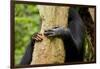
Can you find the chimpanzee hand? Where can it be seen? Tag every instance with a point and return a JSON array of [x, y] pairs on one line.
[[56, 31], [37, 37]]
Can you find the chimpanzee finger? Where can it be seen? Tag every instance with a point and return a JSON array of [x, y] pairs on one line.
[[40, 36], [55, 27], [50, 30], [51, 35], [48, 33], [34, 35], [38, 39]]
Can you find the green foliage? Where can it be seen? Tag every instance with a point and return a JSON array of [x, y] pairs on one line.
[[89, 55], [27, 21]]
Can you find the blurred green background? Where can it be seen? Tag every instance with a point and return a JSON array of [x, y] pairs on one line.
[[27, 22]]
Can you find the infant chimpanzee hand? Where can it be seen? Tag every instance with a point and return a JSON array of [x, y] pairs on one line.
[[37, 37]]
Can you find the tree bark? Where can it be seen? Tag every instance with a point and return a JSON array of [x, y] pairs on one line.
[[50, 50], [92, 13]]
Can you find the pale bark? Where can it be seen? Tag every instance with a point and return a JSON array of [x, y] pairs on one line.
[[50, 50], [92, 13]]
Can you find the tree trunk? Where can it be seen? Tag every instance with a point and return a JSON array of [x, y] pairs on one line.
[[92, 13], [50, 50]]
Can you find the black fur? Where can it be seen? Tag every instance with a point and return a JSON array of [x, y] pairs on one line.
[[27, 58], [74, 40]]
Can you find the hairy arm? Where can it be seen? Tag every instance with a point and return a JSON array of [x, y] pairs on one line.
[[27, 58], [72, 36]]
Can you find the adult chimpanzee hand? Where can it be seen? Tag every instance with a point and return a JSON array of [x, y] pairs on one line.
[[55, 32]]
